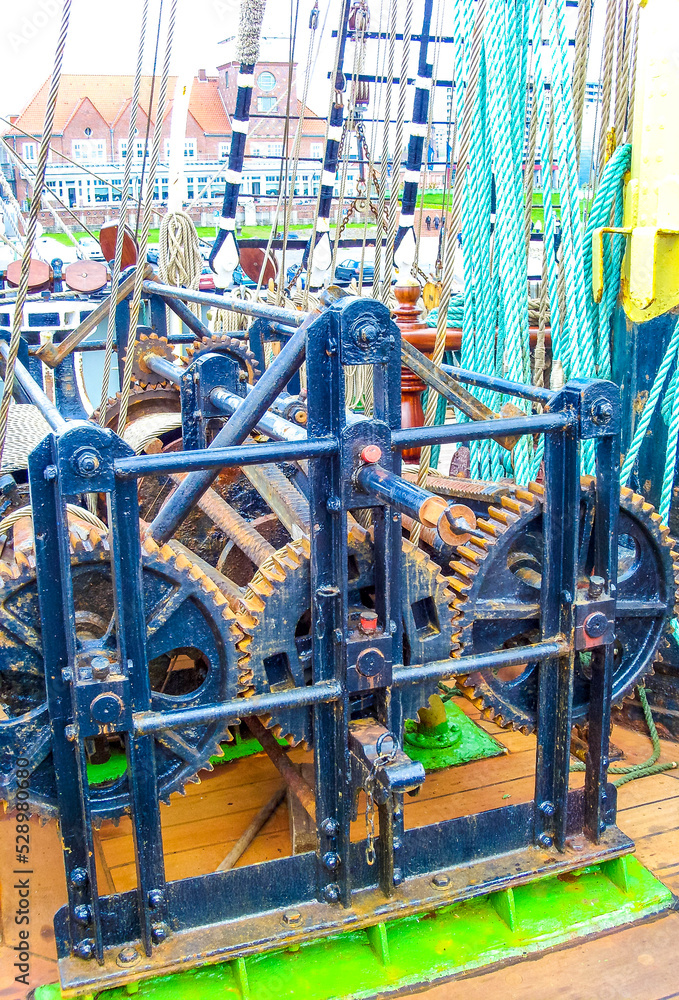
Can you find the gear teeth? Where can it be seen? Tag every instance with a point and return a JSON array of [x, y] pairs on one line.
[[500, 519]]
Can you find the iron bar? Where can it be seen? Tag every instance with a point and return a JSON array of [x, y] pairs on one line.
[[504, 385], [279, 758], [549, 649], [415, 437], [271, 424], [243, 420], [222, 458], [35, 392], [146, 723], [188, 318], [288, 316]]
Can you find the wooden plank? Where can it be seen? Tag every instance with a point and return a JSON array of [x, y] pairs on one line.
[[635, 963]]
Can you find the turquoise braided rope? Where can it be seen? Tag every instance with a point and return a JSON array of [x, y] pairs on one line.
[[670, 413]]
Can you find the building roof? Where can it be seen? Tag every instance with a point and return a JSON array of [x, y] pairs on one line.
[[111, 94]]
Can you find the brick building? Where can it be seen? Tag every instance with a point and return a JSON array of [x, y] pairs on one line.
[[91, 129]]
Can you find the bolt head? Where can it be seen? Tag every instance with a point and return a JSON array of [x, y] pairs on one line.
[[292, 917], [333, 503], [441, 881], [602, 411], [398, 876], [101, 667], [70, 733], [547, 808], [596, 587], [50, 472], [331, 860], [544, 840], [368, 621]]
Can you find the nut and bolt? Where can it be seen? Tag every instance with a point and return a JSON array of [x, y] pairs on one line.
[[602, 412], [50, 472], [368, 622], [292, 917], [596, 587], [398, 876], [330, 827], [82, 914], [159, 933], [87, 463], [333, 503], [70, 733], [544, 840], [547, 808], [441, 881], [331, 860]]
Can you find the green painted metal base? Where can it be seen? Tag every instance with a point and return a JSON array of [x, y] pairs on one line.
[[239, 747], [467, 742], [423, 949]]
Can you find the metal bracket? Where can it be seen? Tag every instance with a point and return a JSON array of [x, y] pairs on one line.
[[206, 373]]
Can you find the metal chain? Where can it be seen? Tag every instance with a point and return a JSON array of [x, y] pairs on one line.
[[369, 788]]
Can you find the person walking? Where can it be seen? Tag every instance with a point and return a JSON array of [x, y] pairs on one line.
[[428, 222], [436, 223]]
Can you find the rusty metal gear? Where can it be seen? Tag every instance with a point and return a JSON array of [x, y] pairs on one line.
[[180, 601], [276, 649], [142, 403], [148, 345], [234, 347], [497, 580]]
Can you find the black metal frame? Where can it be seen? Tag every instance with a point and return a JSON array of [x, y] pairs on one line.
[[108, 940]]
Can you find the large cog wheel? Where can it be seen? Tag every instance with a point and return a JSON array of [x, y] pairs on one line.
[[276, 650], [180, 602], [498, 578]]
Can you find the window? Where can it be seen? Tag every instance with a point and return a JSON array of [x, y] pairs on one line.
[[217, 187], [190, 149], [266, 103], [29, 152], [266, 81], [224, 150], [274, 149], [51, 184], [89, 151], [122, 145], [258, 149], [100, 192], [189, 187], [140, 146], [256, 187], [316, 150]]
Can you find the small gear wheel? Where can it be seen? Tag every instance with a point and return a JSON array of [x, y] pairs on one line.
[[498, 579], [146, 346], [191, 635], [142, 403], [234, 347]]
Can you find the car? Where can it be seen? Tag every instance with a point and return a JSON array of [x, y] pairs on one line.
[[90, 248], [241, 278], [152, 255], [347, 270]]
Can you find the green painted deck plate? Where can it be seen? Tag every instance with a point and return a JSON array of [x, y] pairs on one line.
[[239, 747], [423, 949], [474, 743]]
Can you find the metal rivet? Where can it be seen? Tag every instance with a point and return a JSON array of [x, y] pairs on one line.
[[398, 876], [155, 898], [292, 917], [159, 932], [333, 503], [547, 808], [79, 877], [70, 733], [330, 826], [544, 840], [50, 472], [331, 893], [82, 914], [331, 860], [441, 881], [84, 949]]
